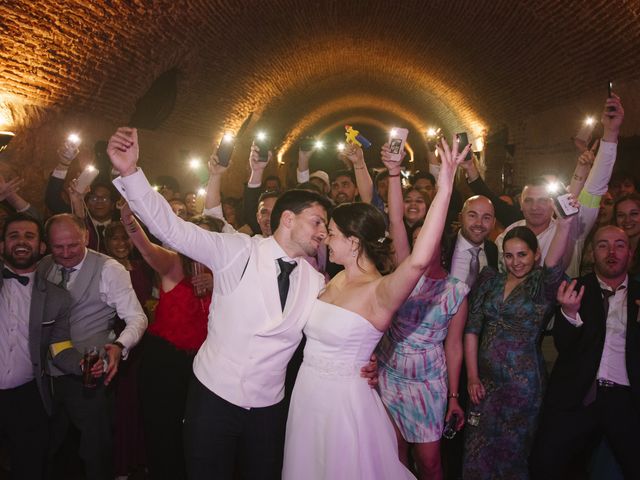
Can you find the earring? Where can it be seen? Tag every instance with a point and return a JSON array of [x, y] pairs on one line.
[[354, 253]]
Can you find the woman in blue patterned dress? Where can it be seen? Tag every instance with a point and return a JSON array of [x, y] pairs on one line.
[[505, 368], [420, 356]]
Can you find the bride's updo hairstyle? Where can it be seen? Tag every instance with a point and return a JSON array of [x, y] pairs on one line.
[[366, 223]]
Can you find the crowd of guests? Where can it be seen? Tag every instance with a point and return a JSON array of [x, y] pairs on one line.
[[460, 345]]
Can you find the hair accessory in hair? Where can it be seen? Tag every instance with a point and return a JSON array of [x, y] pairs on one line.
[[382, 239]]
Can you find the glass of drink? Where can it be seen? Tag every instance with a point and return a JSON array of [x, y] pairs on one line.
[[197, 269], [91, 357]]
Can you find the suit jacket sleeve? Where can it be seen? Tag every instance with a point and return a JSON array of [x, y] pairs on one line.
[[59, 302], [53, 196], [250, 206]]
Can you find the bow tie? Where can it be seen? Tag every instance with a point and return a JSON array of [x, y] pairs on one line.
[[6, 273]]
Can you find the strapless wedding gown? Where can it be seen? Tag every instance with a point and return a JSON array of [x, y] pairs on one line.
[[338, 427]]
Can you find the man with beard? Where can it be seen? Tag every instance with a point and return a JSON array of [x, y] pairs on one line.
[[263, 295], [594, 389], [464, 255], [469, 251], [343, 187], [34, 320]]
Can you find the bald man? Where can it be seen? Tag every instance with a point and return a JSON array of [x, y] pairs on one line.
[[594, 388], [458, 252]]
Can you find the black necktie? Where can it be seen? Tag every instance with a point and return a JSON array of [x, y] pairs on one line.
[[6, 273], [283, 280]]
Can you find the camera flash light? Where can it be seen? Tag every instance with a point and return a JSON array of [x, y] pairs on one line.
[[227, 137], [553, 187], [202, 192], [73, 138], [194, 163], [261, 136], [319, 144], [589, 121], [341, 147]]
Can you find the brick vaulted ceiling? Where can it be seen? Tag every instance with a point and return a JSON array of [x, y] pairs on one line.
[[310, 66]]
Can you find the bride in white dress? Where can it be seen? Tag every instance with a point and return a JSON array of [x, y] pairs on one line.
[[337, 426]]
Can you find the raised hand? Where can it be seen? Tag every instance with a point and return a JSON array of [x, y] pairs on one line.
[[9, 188], [123, 150], [354, 155], [612, 120], [254, 162], [450, 158], [568, 298], [393, 166]]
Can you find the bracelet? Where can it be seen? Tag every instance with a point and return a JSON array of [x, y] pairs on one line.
[[360, 168], [453, 395], [393, 176]]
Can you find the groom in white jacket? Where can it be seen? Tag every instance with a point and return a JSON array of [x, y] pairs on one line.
[[263, 294]]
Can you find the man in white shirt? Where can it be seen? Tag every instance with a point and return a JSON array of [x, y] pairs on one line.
[[101, 291], [469, 251], [263, 295], [594, 389], [34, 321]]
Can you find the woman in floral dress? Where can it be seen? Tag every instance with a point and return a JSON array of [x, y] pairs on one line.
[[505, 368]]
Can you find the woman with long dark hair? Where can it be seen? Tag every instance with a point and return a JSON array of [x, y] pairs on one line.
[[505, 368], [337, 425]]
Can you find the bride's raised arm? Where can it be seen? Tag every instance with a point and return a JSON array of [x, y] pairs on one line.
[[393, 289]]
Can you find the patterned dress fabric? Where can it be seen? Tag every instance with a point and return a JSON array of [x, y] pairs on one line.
[[413, 370], [511, 368]]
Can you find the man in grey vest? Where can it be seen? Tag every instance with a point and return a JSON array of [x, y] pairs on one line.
[[101, 290], [34, 323]]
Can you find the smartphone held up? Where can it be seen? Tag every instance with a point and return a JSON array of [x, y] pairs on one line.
[[262, 142], [225, 149], [397, 141]]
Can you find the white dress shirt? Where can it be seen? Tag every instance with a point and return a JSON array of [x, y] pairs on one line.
[[461, 260], [16, 367], [613, 364], [117, 292]]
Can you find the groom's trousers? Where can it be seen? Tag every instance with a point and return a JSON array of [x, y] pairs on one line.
[[220, 437]]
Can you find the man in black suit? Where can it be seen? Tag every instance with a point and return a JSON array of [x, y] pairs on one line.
[[464, 254], [467, 252], [594, 389], [34, 322]]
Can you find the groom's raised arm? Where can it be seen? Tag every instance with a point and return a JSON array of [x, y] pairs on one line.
[[220, 252]]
